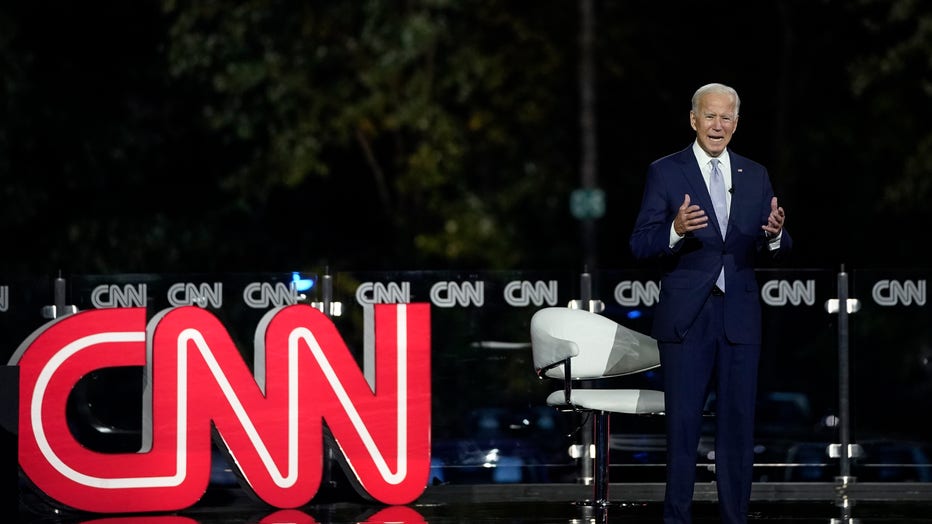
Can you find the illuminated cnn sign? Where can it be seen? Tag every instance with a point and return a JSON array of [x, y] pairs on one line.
[[269, 420]]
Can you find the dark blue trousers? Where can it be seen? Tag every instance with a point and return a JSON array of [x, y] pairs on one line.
[[705, 361]]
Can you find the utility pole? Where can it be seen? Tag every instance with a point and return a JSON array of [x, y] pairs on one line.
[[587, 203]]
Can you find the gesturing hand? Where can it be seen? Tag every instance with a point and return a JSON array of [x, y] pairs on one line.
[[775, 220], [690, 218]]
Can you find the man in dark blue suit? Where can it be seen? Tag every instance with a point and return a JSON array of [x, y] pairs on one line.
[[708, 319]]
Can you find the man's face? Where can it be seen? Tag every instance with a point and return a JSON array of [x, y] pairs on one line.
[[714, 121]]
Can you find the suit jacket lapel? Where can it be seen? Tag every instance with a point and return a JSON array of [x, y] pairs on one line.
[[698, 191], [739, 187]]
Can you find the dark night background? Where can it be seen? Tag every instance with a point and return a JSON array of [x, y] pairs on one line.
[[163, 136], [276, 135]]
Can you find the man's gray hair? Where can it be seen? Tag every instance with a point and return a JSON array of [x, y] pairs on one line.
[[715, 88]]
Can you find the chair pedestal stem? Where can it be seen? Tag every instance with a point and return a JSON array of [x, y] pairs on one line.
[[601, 437]]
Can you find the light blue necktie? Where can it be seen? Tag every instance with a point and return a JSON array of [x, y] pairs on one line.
[[717, 191]]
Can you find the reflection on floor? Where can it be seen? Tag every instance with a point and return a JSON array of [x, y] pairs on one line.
[[519, 504]]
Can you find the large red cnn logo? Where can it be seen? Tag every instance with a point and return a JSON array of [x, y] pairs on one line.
[[269, 420]]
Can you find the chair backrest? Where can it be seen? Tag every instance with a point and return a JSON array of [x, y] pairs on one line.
[[599, 346]]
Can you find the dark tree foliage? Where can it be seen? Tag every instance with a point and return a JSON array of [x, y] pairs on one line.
[[161, 136]]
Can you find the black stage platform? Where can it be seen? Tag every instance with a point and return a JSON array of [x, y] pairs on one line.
[[828, 503]]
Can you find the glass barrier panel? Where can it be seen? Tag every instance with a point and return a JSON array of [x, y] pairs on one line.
[[490, 423], [891, 375], [489, 420]]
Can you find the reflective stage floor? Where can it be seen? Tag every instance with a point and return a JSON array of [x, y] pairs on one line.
[[825, 503]]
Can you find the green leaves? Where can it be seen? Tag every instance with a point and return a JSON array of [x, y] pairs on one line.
[[419, 105]]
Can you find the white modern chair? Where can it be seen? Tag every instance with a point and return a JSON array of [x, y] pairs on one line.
[[573, 345]]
